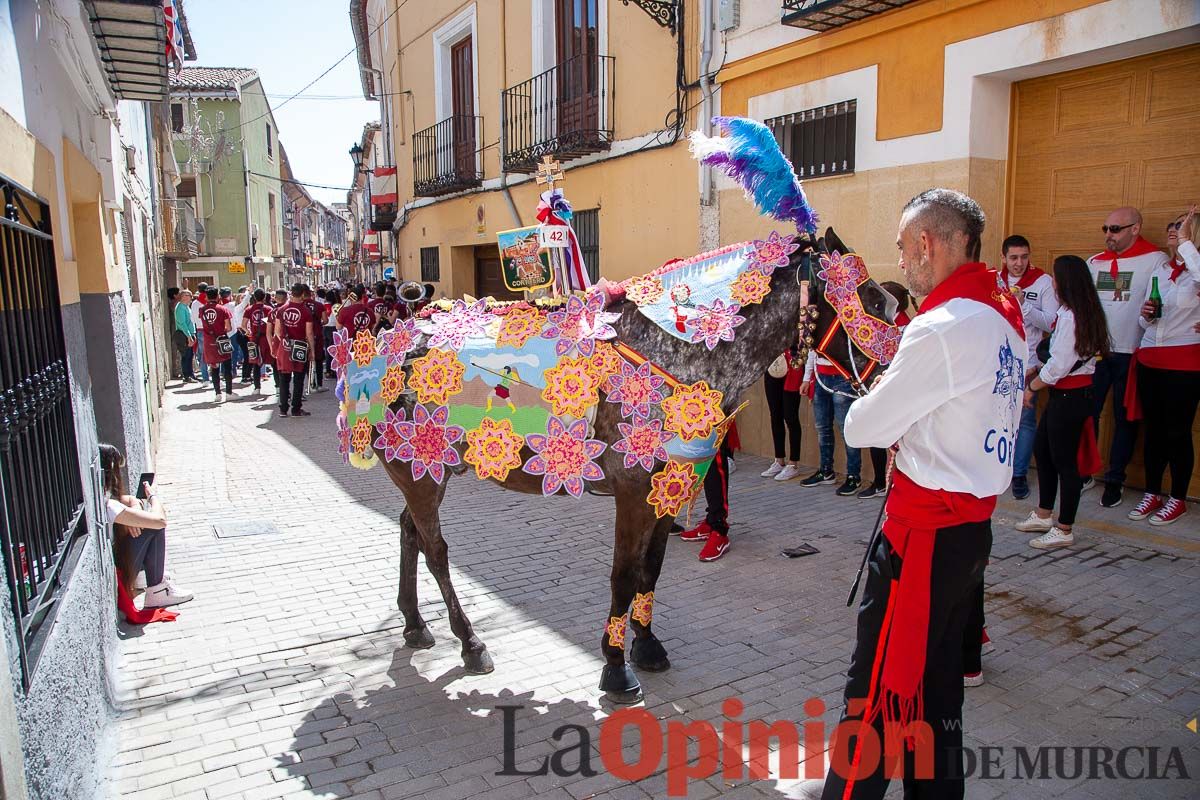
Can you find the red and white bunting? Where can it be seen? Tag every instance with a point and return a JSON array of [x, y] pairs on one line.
[[383, 186]]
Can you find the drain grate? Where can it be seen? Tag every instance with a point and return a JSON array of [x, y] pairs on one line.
[[234, 530]]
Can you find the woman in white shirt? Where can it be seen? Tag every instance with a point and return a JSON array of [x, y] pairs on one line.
[[139, 535], [1168, 374], [1080, 334]]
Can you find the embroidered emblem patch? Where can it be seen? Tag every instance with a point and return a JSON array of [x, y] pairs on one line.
[[693, 411], [564, 456], [494, 449], [436, 376], [616, 630], [642, 443], [428, 442], [643, 608], [636, 389], [672, 488], [571, 387]]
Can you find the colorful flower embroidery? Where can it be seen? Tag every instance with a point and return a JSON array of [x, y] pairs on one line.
[[564, 456], [341, 352], [392, 384], [390, 440], [364, 348], [616, 630], [398, 342], [494, 449], [643, 441], [343, 428], [750, 287], [644, 290], [643, 608], [571, 387], [693, 411], [580, 324], [360, 436], [672, 488], [715, 323], [605, 362], [772, 253], [452, 328], [636, 389], [517, 327], [436, 376], [428, 442]]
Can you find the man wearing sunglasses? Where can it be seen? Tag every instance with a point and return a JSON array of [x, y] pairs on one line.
[[1122, 275]]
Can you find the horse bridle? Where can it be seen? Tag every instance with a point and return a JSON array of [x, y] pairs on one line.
[[807, 327]]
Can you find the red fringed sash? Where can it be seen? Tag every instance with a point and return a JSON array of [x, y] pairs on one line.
[[139, 617]]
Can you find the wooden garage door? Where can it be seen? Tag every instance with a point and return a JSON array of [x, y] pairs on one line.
[[1088, 141]]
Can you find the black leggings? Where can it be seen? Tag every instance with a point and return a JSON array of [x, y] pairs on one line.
[[1057, 449], [1169, 398], [879, 466], [785, 412]]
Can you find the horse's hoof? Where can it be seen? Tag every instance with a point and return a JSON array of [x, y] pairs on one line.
[[619, 684], [419, 639], [649, 654], [624, 698], [478, 663]]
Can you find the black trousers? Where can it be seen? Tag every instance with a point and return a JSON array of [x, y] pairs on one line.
[[879, 466], [291, 390], [239, 342], [148, 552], [960, 555], [1056, 446], [784, 407], [716, 491], [973, 635], [255, 376], [224, 369], [1169, 398], [319, 364]]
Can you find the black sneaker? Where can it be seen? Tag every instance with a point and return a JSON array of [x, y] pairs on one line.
[[818, 478], [1020, 487], [871, 492], [301, 413], [283, 412], [850, 487], [1112, 496]]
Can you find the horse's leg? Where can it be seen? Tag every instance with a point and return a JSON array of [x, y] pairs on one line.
[[474, 653], [416, 633], [647, 651], [635, 522]]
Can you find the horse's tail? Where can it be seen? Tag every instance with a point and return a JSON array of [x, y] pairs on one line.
[[749, 154]]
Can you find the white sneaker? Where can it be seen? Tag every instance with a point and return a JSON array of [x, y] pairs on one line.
[[166, 594], [732, 465], [1053, 539], [788, 472], [973, 679], [1034, 524], [772, 471]]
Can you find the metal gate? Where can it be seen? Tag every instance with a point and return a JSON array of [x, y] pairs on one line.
[[41, 496]]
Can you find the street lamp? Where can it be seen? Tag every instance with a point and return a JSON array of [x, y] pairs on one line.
[[287, 216], [356, 155]]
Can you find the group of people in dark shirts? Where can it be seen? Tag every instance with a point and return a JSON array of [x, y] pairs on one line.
[[288, 333]]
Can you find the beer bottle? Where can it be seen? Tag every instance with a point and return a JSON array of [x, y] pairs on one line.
[[1155, 298]]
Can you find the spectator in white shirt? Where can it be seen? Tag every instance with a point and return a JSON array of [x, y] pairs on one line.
[[197, 304]]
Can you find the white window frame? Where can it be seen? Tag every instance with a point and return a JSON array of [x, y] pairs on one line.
[[450, 33]]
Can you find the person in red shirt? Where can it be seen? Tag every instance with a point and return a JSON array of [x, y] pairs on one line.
[[254, 328], [277, 302], [293, 323], [316, 309], [356, 315], [380, 306], [216, 322]]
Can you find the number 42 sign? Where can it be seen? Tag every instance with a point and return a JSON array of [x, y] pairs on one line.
[[554, 236]]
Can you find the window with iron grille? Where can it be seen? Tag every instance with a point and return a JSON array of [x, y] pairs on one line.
[[587, 230], [431, 269], [819, 141]]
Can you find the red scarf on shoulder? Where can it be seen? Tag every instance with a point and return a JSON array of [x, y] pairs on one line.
[[1140, 247], [1027, 278]]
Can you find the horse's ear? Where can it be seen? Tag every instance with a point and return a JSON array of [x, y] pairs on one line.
[[833, 242]]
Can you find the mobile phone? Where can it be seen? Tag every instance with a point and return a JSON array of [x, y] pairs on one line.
[[147, 477]]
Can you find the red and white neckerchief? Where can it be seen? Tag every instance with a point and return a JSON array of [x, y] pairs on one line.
[[1140, 247], [1026, 280], [1177, 268]]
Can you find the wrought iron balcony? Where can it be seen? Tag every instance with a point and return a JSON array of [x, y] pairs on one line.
[[567, 112], [183, 233], [445, 156], [823, 15]]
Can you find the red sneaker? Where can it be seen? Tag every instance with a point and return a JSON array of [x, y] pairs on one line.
[[1150, 503], [715, 547], [1173, 510], [697, 534]]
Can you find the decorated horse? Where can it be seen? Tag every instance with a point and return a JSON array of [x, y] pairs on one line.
[[625, 392]]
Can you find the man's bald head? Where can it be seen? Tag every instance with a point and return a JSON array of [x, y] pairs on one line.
[[1127, 222]]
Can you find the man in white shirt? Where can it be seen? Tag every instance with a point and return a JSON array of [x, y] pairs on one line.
[[1034, 290], [1122, 275], [951, 402], [196, 306]]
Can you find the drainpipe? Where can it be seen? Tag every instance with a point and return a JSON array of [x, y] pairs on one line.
[[706, 49], [512, 207]]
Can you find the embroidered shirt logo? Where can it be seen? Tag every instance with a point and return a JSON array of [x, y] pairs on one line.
[[1010, 377]]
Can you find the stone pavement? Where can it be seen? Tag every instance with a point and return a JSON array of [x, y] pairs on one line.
[[287, 677]]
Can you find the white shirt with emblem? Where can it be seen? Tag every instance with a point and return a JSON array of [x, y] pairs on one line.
[[1123, 309], [951, 398]]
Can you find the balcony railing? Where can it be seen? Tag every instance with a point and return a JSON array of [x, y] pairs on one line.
[[823, 15], [445, 156], [183, 233], [567, 112]]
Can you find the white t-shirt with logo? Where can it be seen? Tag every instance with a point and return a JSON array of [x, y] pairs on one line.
[[1122, 298]]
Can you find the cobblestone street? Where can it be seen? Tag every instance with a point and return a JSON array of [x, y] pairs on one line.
[[287, 676]]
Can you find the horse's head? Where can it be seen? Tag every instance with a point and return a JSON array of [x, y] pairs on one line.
[[827, 279]]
